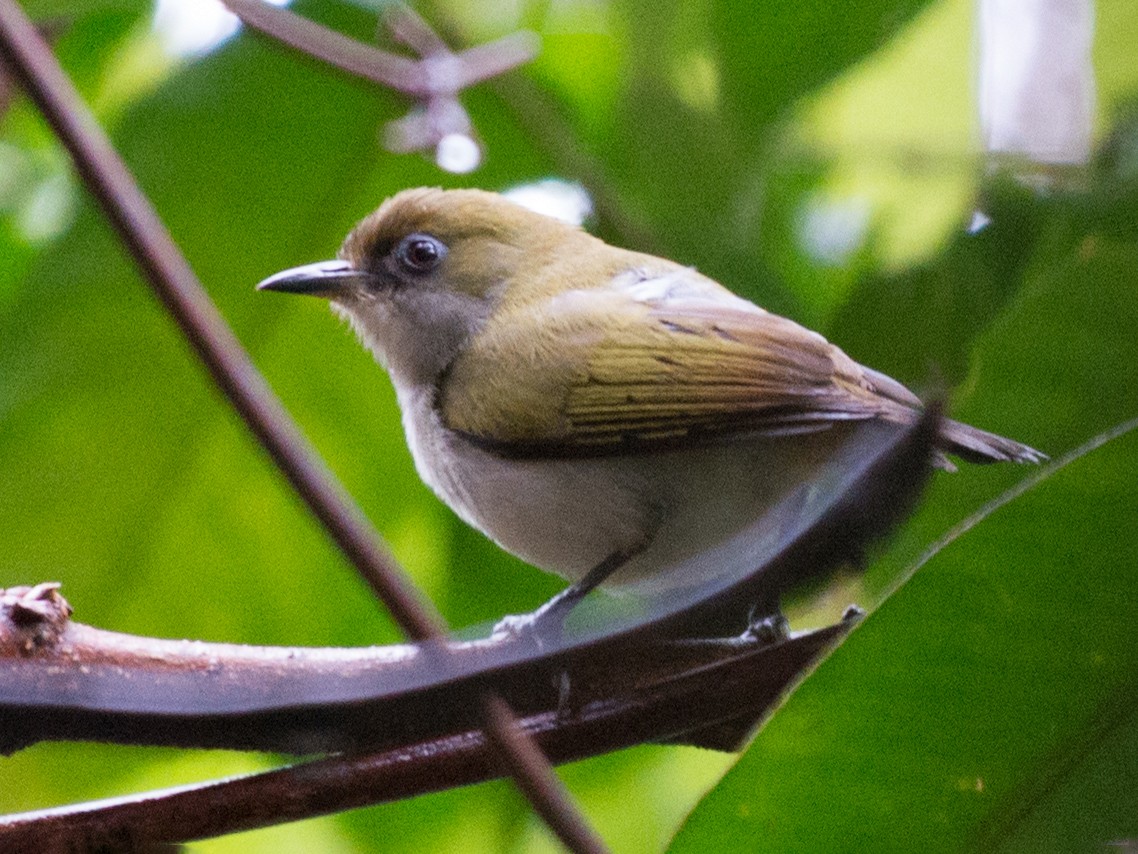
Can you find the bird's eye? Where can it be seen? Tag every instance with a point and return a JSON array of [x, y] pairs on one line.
[[420, 253]]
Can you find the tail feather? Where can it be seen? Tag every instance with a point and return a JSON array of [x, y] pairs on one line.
[[980, 446], [961, 440]]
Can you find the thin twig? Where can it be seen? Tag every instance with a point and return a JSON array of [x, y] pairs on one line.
[[388, 69], [379, 66], [31, 61], [409, 28], [435, 79]]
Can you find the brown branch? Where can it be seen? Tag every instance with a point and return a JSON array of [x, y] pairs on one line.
[[447, 72], [31, 62], [61, 680], [710, 693], [624, 689], [423, 78], [50, 666], [410, 28]]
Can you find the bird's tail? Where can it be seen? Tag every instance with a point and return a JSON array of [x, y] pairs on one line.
[[980, 446]]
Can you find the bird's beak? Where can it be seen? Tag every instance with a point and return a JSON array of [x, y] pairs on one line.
[[324, 279]]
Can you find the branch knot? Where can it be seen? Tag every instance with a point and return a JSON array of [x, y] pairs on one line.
[[33, 617]]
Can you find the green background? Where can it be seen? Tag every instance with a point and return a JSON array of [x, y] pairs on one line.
[[988, 704]]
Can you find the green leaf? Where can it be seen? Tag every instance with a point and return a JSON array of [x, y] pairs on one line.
[[128, 478], [989, 687]]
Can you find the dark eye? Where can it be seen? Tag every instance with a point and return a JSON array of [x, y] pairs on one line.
[[420, 253]]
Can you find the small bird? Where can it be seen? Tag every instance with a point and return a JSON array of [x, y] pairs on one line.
[[604, 414]]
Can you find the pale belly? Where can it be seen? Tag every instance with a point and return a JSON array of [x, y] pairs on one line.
[[667, 510]]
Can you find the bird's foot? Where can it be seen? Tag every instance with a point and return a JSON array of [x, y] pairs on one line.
[[543, 627], [517, 627], [767, 630]]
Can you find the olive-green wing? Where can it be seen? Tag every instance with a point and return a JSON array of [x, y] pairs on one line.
[[603, 371]]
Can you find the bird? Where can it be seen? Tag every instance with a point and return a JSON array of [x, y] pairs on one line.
[[604, 414]]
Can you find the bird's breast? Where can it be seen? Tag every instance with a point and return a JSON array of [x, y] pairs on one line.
[[561, 515], [565, 515]]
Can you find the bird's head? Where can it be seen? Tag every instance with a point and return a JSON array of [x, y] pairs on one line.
[[419, 277]]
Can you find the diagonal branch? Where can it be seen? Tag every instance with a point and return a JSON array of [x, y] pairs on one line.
[[709, 693], [31, 62], [174, 283]]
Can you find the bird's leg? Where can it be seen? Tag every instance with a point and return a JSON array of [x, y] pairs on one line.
[[548, 620]]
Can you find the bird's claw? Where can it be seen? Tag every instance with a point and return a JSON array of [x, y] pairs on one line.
[[539, 628], [769, 630]]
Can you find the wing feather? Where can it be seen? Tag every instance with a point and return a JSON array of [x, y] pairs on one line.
[[604, 371]]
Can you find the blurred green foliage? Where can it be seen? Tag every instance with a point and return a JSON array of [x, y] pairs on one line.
[[987, 705]]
